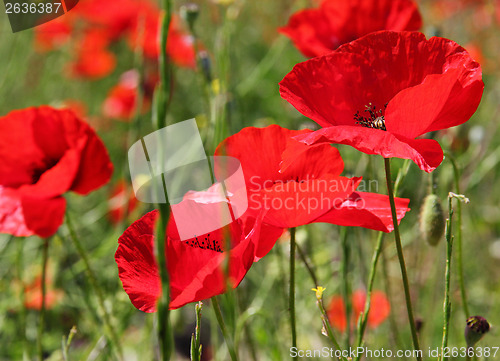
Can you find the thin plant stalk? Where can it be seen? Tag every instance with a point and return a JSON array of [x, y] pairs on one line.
[[164, 331], [22, 297], [401, 259], [393, 325], [447, 278], [324, 318], [195, 337], [66, 342], [458, 237], [41, 318], [164, 93], [220, 320], [109, 330], [346, 292], [309, 268], [165, 335], [291, 295], [363, 321]]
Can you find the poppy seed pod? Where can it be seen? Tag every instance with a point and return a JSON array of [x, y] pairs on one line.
[[475, 329], [189, 13], [432, 222]]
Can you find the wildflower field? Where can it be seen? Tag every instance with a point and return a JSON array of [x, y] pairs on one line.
[[249, 180]]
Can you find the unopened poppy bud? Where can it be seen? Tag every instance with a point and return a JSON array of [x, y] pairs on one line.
[[206, 65], [432, 222], [475, 329], [189, 13]]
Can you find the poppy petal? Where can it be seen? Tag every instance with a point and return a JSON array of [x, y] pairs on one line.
[[293, 204], [310, 32], [43, 216], [265, 144], [426, 153], [11, 214], [137, 267], [368, 210], [336, 313], [323, 88], [441, 101], [380, 309]]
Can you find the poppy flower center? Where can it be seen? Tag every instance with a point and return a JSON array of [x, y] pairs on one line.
[[206, 242], [375, 118], [37, 172]]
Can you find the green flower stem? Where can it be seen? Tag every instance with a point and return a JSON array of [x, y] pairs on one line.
[[66, 342], [447, 278], [371, 278], [225, 333], [399, 249], [195, 337], [41, 319], [109, 330], [363, 321], [309, 268], [165, 335], [22, 296], [164, 93], [387, 288], [458, 240], [164, 331], [291, 295], [346, 292], [325, 320]]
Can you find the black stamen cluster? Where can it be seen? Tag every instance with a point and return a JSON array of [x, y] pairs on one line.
[[376, 119]]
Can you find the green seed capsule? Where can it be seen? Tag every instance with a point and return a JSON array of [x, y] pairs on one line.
[[432, 221]]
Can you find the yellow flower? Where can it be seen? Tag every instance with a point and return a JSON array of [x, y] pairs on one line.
[[319, 292]]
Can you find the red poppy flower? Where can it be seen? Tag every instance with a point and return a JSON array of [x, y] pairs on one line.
[[33, 294], [121, 99], [382, 91], [300, 184], [180, 46], [59, 153], [93, 59], [119, 203], [112, 18], [498, 10], [318, 31], [195, 265], [53, 34], [379, 310]]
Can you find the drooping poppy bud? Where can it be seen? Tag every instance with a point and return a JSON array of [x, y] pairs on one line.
[[189, 13], [432, 222], [475, 329]]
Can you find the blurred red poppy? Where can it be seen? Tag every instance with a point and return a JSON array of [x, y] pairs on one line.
[[59, 153], [379, 310], [382, 91], [301, 184], [121, 100], [93, 59], [33, 294], [53, 34], [498, 10], [318, 31], [196, 266], [121, 203], [145, 34], [111, 18]]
